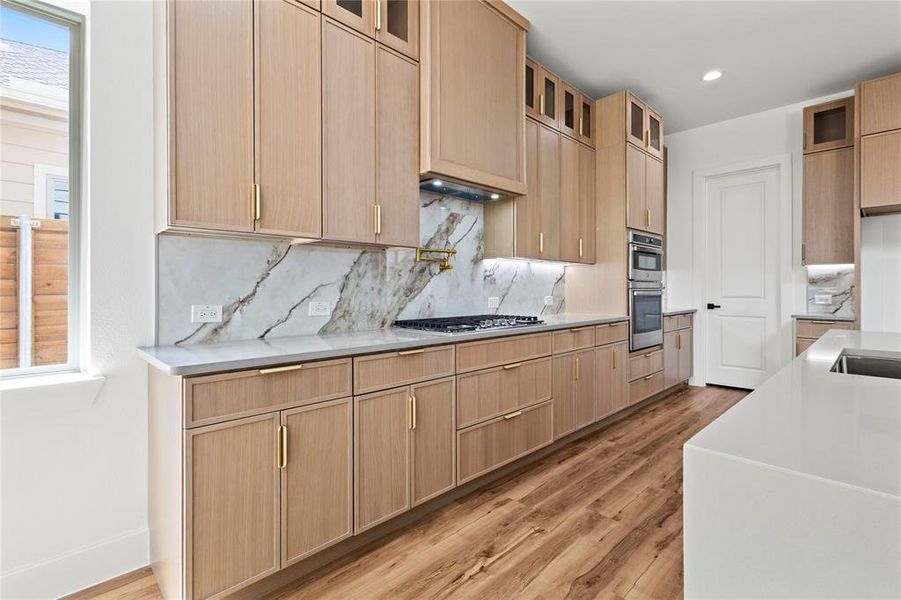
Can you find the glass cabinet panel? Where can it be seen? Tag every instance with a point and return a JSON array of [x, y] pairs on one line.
[[568, 121], [398, 19], [829, 125], [531, 75], [549, 108], [354, 7], [655, 134], [585, 122], [356, 14], [636, 122]]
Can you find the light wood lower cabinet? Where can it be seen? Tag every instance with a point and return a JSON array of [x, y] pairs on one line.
[[231, 514], [612, 378], [807, 331], [575, 391], [317, 478], [677, 357], [391, 449], [644, 363], [501, 390], [645, 387]]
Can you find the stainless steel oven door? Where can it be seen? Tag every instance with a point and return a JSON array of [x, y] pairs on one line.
[[645, 263], [646, 310]]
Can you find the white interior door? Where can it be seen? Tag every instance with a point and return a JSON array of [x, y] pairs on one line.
[[742, 279]]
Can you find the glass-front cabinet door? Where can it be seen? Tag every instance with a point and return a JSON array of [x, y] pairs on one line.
[[548, 92], [358, 14], [829, 125], [569, 111], [654, 134], [533, 74], [635, 120], [586, 121], [397, 25]]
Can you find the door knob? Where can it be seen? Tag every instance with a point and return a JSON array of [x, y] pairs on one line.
[[711, 306]]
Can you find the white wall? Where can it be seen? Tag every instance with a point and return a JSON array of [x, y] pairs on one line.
[[770, 134], [880, 273], [73, 486]]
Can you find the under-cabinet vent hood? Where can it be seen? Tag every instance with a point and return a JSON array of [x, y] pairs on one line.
[[460, 190]]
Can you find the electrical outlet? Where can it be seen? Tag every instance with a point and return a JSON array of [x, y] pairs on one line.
[[206, 313], [494, 302], [548, 300], [320, 309]]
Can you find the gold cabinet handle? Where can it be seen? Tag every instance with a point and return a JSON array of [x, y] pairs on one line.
[[540, 243], [579, 329], [412, 412], [256, 209], [614, 358], [577, 369], [581, 120], [378, 15], [648, 217], [378, 219], [541, 103], [409, 352], [647, 138], [649, 354], [824, 322], [580, 248], [281, 369], [678, 341], [650, 377], [513, 366], [513, 415], [282, 446]]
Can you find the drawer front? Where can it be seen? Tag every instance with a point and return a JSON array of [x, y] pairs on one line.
[[802, 344], [492, 353], [573, 339], [487, 394], [642, 365], [814, 329], [675, 322], [392, 369], [645, 387], [685, 321], [611, 332], [216, 398], [485, 447]]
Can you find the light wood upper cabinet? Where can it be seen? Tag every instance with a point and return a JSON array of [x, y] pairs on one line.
[[653, 133], [587, 206], [636, 188], [288, 119], [828, 207], [879, 103], [829, 125], [433, 436], [570, 107], [636, 120], [612, 378], [358, 14], [317, 478], [550, 94], [232, 487], [397, 156], [549, 193], [655, 196], [473, 119], [527, 209], [211, 97], [880, 174], [533, 76], [586, 121], [397, 25], [570, 201]]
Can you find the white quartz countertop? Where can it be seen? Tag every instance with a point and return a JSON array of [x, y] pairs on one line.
[[807, 420], [199, 359], [672, 313], [816, 317]]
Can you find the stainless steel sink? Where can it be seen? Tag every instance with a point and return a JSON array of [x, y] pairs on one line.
[[871, 365]]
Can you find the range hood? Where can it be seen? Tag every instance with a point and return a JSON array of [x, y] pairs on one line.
[[455, 189]]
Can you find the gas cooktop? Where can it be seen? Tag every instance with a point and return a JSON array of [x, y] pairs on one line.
[[468, 323]]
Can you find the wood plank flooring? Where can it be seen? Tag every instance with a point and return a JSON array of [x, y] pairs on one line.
[[600, 518]]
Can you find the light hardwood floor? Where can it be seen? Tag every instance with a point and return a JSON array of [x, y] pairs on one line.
[[600, 518]]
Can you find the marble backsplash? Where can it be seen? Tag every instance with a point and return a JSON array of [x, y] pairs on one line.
[[265, 287], [830, 290]]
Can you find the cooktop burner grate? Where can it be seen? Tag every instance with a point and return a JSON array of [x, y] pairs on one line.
[[468, 323]]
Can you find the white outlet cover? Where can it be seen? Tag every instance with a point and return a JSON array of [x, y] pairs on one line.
[[320, 309], [548, 300], [493, 302], [206, 313]]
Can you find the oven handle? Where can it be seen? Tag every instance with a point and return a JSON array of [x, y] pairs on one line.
[[647, 293], [642, 248]]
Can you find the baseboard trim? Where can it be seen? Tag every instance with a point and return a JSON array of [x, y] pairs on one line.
[[79, 569]]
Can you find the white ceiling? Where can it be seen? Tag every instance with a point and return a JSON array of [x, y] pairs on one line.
[[772, 53]]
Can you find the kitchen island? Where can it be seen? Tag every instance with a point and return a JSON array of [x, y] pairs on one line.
[[796, 490]]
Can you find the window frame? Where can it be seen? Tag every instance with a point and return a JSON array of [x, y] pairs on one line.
[[75, 23]]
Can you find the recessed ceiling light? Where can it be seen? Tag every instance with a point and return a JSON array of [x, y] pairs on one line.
[[712, 75], [495, 196], [437, 183]]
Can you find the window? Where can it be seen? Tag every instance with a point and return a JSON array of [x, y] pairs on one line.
[[40, 149]]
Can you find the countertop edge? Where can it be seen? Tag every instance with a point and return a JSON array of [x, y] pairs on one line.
[[673, 313], [810, 317], [211, 367]]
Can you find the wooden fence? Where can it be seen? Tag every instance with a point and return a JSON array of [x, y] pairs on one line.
[[50, 299]]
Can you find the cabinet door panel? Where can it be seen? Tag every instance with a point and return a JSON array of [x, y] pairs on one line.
[[397, 24], [635, 120], [571, 104], [586, 121], [828, 207], [317, 481], [880, 104], [212, 115], [880, 177], [829, 125], [654, 134], [549, 94], [685, 354], [231, 506], [587, 205], [398, 149], [636, 182], [569, 205], [584, 389], [549, 191], [563, 389], [289, 163], [527, 210], [533, 73], [348, 134], [434, 436], [358, 14], [670, 359], [612, 378], [381, 456], [655, 197]]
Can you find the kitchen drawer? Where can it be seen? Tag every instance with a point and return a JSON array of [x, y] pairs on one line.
[[486, 394], [215, 398], [674, 322], [392, 369], [573, 339], [483, 354], [641, 365], [814, 329], [611, 332], [645, 387], [487, 446], [802, 344]]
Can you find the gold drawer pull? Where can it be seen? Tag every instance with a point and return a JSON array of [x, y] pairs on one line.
[[409, 352], [649, 354], [281, 369], [614, 358], [824, 322], [513, 366], [513, 415], [650, 376], [579, 329], [614, 324]]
